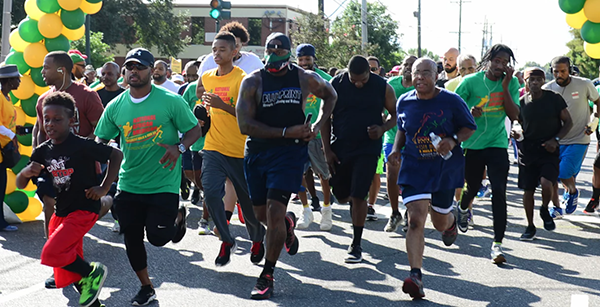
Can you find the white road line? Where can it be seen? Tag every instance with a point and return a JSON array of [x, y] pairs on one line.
[[580, 300]]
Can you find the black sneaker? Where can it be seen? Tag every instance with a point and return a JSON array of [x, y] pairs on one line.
[[225, 254], [181, 226], [547, 218], [291, 241], [529, 234], [449, 235], [264, 288], [405, 223], [413, 286], [50, 283], [463, 220], [195, 196], [144, 296], [257, 252], [185, 188], [591, 206], [354, 254], [316, 204], [371, 214]]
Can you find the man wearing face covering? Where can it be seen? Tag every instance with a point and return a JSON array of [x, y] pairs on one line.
[[270, 110]]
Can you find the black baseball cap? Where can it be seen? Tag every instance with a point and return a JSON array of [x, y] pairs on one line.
[[282, 38], [140, 55], [306, 50]]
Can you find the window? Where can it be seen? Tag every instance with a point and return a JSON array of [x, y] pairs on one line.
[[255, 31], [197, 31]]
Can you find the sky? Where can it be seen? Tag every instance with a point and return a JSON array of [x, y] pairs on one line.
[[536, 30]]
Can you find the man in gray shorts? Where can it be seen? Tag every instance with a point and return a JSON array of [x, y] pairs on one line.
[[306, 59]]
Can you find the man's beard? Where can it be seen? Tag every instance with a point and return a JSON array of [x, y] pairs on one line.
[[450, 70], [159, 79]]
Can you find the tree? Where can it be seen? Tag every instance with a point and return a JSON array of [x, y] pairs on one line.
[[587, 66], [148, 23], [18, 12], [100, 51], [314, 29], [546, 68], [424, 53], [382, 33]]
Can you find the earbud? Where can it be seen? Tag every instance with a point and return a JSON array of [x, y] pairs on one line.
[[59, 70]]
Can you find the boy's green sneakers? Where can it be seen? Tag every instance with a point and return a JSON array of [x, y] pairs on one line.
[[92, 284]]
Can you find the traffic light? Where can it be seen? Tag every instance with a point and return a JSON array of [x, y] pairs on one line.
[[217, 8]]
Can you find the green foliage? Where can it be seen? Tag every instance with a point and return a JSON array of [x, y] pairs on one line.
[[100, 51], [313, 29], [424, 53], [546, 68], [18, 12], [587, 65]]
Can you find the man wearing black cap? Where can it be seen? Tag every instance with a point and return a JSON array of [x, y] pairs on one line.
[[358, 128], [545, 120], [147, 119], [270, 110], [306, 59]]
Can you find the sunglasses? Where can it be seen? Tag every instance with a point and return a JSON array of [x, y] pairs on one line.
[[81, 65], [130, 66], [374, 69]]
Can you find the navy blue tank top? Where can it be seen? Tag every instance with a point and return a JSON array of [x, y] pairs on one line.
[[355, 110], [281, 106]]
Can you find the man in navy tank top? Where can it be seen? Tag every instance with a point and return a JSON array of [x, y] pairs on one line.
[[358, 126], [270, 110]]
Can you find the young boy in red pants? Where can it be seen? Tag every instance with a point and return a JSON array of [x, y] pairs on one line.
[[71, 162]]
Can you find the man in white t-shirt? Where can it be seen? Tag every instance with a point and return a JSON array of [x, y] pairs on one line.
[[160, 77], [247, 61], [576, 92]]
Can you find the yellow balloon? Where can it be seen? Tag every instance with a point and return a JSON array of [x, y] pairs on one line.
[[592, 10], [90, 8], [30, 120], [32, 10], [25, 90], [69, 5], [17, 42], [30, 187], [20, 116], [73, 34], [34, 209], [11, 182], [40, 90], [576, 20], [593, 50], [34, 55], [50, 25], [25, 150]]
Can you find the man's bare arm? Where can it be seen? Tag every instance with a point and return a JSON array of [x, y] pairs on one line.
[[390, 106], [199, 88], [323, 90]]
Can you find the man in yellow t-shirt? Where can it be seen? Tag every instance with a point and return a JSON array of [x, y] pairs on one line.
[[223, 154]]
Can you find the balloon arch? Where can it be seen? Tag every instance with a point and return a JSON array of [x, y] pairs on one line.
[[585, 15]]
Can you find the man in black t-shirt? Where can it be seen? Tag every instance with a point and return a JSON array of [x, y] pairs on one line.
[[545, 120], [358, 126], [109, 74]]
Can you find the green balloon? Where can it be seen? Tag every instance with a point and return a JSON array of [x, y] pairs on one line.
[[24, 140], [93, 1], [590, 32], [21, 164], [36, 76], [16, 58], [13, 98], [569, 6], [48, 6], [28, 30], [72, 19], [17, 201], [59, 43], [28, 105]]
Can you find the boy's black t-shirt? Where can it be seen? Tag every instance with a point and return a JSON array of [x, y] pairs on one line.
[[72, 166]]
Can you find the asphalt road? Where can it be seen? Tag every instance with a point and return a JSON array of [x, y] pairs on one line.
[[560, 268]]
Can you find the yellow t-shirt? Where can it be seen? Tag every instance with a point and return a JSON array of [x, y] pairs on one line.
[[224, 135], [8, 119]]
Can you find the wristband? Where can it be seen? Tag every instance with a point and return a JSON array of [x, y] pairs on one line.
[[283, 134]]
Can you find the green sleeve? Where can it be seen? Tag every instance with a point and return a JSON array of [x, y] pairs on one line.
[[190, 95], [106, 128], [183, 118], [513, 88], [463, 91]]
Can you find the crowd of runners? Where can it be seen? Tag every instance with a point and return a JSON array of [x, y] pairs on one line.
[[250, 134]]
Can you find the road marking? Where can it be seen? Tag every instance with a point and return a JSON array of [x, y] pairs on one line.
[[579, 300]]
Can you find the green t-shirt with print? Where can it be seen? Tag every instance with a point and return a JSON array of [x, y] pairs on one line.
[[190, 97], [313, 104], [477, 90], [141, 126], [396, 83]]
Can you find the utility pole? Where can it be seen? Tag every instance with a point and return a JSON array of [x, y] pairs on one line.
[[6, 18], [417, 14], [484, 37], [363, 15], [460, 32], [88, 51], [322, 7]]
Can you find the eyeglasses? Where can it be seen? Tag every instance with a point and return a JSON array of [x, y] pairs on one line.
[[81, 65], [423, 73], [374, 69], [130, 66]]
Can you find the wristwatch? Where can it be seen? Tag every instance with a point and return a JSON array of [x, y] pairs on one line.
[[181, 148], [455, 137], [557, 139]]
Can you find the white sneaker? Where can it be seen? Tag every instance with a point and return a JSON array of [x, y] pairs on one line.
[[326, 218], [203, 228], [116, 227], [306, 218]]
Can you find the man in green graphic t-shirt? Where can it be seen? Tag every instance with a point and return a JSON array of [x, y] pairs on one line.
[[492, 95], [306, 59], [147, 119], [401, 84]]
